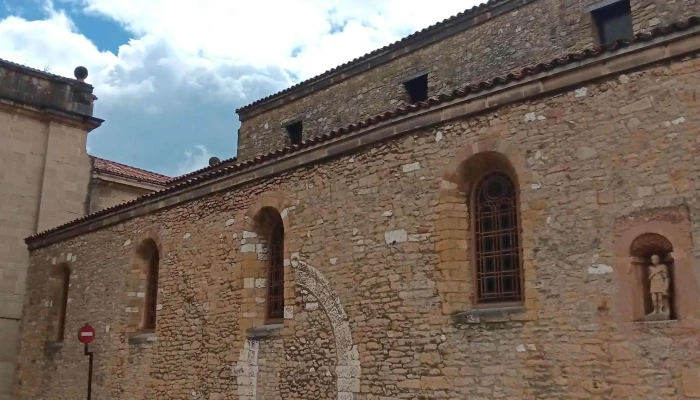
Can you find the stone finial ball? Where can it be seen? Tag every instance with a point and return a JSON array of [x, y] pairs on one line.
[[80, 73], [214, 160]]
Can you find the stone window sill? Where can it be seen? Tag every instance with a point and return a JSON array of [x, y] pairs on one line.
[[264, 331], [656, 324], [493, 315], [145, 337]]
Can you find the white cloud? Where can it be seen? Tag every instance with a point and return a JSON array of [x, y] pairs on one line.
[[196, 158], [265, 32], [201, 53]]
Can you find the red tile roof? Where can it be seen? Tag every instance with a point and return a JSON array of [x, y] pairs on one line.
[[129, 172], [210, 172]]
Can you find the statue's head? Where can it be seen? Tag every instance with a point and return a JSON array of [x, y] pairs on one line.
[[655, 259]]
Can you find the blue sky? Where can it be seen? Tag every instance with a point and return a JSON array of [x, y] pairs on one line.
[[169, 78]]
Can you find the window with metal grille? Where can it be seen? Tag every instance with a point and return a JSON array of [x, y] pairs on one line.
[[65, 282], [152, 291], [497, 241], [275, 281]]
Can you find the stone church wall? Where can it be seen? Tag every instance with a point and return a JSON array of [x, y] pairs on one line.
[[510, 36], [378, 280], [44, 175]]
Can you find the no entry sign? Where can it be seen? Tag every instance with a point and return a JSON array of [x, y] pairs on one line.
[[86, 334]]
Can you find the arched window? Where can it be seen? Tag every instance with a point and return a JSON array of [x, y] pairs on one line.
[[151, 305], [275, 281], [498, 272], [64, 277]]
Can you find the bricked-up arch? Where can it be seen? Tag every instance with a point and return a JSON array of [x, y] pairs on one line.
[[142, 286], [454, 228], [640, 234], [348, 368], [60, 283]]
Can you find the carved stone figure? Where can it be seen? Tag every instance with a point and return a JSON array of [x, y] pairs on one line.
[[659, 283]]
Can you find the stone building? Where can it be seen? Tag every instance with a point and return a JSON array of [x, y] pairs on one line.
[[501, 206], [47, 179]]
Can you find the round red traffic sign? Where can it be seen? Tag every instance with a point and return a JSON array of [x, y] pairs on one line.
[[86, 334]]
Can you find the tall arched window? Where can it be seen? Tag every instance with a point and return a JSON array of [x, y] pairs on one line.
[[275, 281], [498, 272], [151, 305], [64, 276]]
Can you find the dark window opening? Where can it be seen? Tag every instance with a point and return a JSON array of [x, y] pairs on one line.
[[294, 131], [614, 22], [417, 89], [65, 283], [275, 300], [498, 269], [152, 291]]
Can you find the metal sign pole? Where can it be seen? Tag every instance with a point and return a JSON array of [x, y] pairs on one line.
[[86, 335], [89, 387]]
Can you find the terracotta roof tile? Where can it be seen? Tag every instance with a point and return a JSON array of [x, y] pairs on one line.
[[129, 172], [230, 165]]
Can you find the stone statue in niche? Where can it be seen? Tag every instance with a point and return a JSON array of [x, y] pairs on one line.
[[659, 284]]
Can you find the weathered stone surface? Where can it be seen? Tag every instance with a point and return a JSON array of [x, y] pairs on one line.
[[691, 382], [46, 179], [382, 320], [535, 32]]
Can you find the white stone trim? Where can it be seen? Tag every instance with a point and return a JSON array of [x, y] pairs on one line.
[[348, 367]]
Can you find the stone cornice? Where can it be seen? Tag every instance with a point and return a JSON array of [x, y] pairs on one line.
[[571, 74], [72, 119]]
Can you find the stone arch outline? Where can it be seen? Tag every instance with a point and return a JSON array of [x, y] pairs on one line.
[[134, 296], [58, 298], [453, 227], [348, 369], [252, 252]]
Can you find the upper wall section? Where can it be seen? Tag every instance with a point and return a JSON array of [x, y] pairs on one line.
[[476, 45], [46, 91]]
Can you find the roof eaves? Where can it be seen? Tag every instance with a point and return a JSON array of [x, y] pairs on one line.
[[510, 77]]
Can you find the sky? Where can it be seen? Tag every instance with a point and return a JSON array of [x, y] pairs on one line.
[[169, 74]]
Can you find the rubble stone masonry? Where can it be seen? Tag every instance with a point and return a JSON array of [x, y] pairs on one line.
[[378, 260], [498, 38]]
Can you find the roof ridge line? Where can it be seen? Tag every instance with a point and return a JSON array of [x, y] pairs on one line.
[[443, 24], [131, 166]]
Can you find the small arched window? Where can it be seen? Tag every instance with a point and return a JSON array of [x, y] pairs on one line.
[[151, 306], [498, 272], [275, 294], [64, 277]]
